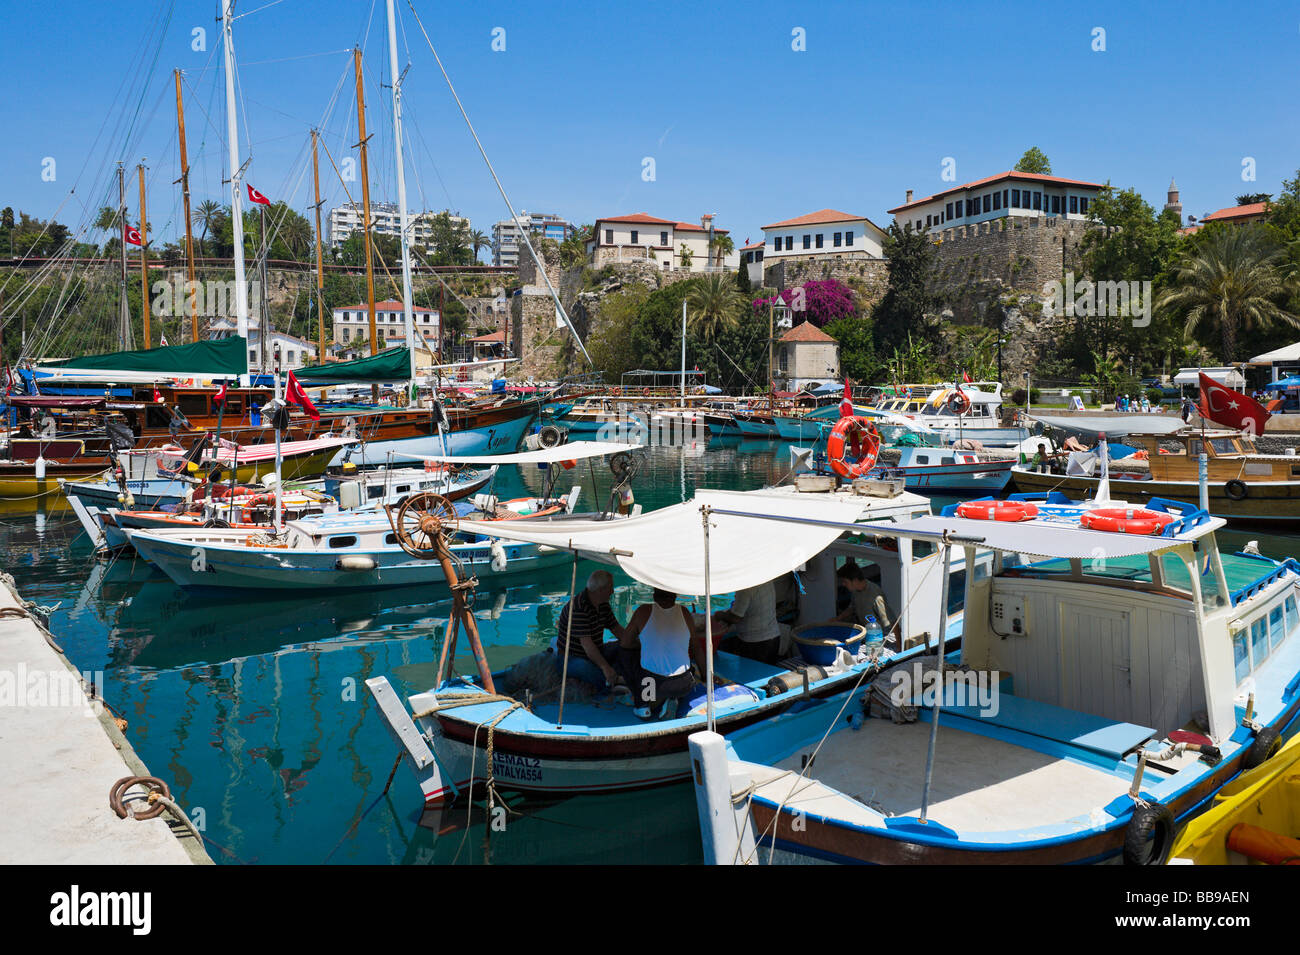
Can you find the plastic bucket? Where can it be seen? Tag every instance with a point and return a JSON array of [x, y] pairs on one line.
[[819, 642]]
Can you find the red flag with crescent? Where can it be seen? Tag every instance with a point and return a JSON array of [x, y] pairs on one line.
[[132, 235], [255, 196], [294, 394], [1232, 409]]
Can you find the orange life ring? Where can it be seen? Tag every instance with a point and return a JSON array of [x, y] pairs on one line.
[[861, 434], [958, 403], [998, 510], [1127, 520]]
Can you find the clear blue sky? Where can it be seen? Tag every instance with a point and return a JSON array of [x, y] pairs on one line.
[[738, 122]]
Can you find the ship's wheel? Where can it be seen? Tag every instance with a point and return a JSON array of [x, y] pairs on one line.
[[423, 519]]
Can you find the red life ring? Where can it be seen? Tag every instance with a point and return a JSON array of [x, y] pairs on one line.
[[998, 510], [958, 403], [861, 434], [1127, 520]]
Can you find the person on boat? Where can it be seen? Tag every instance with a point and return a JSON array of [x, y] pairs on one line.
[[663, 629], [1042, 461], [858, 597], [591, 658], [750, 624]]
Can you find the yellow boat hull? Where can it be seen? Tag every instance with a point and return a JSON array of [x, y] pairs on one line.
[[1267, 796]]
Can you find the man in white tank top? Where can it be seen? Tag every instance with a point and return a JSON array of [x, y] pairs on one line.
[[664, 629]]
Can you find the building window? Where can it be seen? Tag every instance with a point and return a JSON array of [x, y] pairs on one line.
[[289, 356], [1056, 205], [988, 203], [837, 239], [609, 236], [997, 200], [634, 237], [1038, 201], [819, 240], [347, 334], [929, 221], [1074, 205], [789, 243], [947, 209], [807, 241], [1083, 206], [663, 238], [848, 237]]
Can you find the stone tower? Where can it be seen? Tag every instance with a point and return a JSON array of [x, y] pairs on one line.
[[1173, 204]]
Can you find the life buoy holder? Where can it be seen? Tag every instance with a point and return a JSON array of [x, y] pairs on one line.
[[857, 435], [998, 510], [958, 403], [1127, 520]]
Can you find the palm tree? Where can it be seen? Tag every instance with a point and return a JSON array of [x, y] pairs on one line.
[[1233, 278], [722, 246], [297, 235], [107, 219], [714, 305], [206, 215], [478, 240]]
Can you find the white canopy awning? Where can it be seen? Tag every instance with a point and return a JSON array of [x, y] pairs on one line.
[[1224, 376], [574, 451], [1040, 538], [665, 548], [1287, 354]]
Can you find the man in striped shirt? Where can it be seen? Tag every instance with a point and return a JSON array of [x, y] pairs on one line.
[[591, 659]]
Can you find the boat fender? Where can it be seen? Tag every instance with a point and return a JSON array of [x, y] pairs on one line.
[[1267, 742], [1236, 490], [130, 500], [355, 562], [1150, 835], [793, 680], [217, 522], [498, 552]]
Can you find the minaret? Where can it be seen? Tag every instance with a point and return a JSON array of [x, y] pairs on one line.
[[1173, 204]]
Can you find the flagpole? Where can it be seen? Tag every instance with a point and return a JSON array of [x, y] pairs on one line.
[[408, 316], [232, 142], [278, 463]]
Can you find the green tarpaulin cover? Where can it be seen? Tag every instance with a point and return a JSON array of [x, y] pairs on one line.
[[223, 357], [391, 364]]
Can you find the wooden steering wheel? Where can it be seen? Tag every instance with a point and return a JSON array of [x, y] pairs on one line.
[[421, 520]]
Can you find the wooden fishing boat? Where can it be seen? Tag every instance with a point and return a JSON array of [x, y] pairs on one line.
[[1129, 678], [1244, 485]]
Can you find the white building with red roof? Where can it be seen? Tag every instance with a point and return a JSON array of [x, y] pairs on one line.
[[667, 243], [806, 355], [1236, 215], [1010, 193], [352, 324], [827, 232]]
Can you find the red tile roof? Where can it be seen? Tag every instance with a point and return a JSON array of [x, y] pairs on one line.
[[752, 245], [690, 227], [806, 332], [385, 306], [497, 336], [1238, 212], [644, 218], [816, 218], [1009, 174]]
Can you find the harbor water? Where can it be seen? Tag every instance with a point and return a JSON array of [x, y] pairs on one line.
[[254, 708]]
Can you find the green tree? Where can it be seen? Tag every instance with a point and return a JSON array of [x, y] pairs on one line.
[[743, 283], [449, 241], [1035, 161], [857, 343], [478, 241], [1251, 198], [573, 250], [1231, 279], [714, 305], [908, 305], [721, 246], [207, 215]]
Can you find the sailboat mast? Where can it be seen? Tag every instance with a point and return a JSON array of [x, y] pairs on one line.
[[408, 317], [365, 200], [232, 142], [144, 262], [124, 319], [320, 268], [264, 300], [190, 288]]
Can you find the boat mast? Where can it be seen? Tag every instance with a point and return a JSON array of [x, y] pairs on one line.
[[407, 316], [190, 288], [236, 170], [144, 262], [320, 268], [264, 312], [365, 200], [124, 319]]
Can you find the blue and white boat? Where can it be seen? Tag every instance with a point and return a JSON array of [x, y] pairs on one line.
[[462, 740], [946, 471], [1102, 695]]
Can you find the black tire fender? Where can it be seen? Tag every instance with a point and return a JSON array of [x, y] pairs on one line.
[[1236, 490], [1149, 836], [1267, 742]]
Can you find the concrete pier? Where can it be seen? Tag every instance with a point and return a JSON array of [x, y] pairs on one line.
[[61, 755]]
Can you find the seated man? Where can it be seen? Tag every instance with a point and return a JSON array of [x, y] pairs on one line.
[[751, 625], [861, 598], [663, 629], [591, 659]]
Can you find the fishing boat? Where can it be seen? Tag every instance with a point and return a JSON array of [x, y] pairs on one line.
[[946, 470], [502, 731], [1102, 695], [970, 412], [365, 549], [1243, 484]]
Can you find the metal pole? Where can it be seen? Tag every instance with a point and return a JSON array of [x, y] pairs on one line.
[[708, 626], [683, 353], [232, 142], [124, 317], [408, 316], [365, 202], [189, 233], [279, 467], [1203, 478], [264, 317], [568, 635], [144, 262], [938, 696]]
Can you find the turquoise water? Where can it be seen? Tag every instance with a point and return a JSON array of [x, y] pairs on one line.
[[254, 709]]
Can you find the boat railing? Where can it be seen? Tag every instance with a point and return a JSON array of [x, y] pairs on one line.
[[1278, 571]]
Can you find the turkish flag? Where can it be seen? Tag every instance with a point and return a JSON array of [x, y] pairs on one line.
[[255, 196], [846, 405], [132, 235], [294, 394], [965, 377], [220, 397], [157, 396], [1232, 409]]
